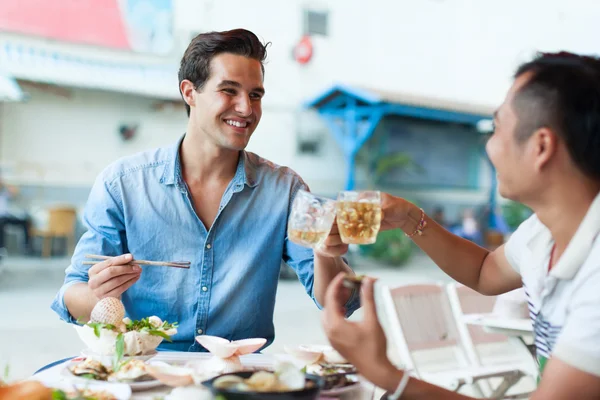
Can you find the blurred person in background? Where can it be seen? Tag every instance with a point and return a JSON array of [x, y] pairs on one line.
[[546, 150], [204, 199], [10, 215]]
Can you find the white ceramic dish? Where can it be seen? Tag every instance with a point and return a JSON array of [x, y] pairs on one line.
[[135, 386], [120, 390], [108, 359]]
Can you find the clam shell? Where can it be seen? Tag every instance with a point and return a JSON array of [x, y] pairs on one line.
[[223, 348], [171, 375], [109, 310], [227, 381], [218, 365]]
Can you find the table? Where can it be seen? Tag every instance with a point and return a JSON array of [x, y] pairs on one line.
[[55, 373], [520, 328]]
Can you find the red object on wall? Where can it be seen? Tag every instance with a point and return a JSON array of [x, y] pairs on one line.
[[95, 22], [304, 50]]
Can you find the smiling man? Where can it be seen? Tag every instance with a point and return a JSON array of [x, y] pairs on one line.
[[206, 200]]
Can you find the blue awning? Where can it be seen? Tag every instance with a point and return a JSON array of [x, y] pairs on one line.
[[123, 73], [353, 113], [9, 89]]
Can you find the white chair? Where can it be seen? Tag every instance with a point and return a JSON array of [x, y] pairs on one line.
[[420, 318], [507, 351]]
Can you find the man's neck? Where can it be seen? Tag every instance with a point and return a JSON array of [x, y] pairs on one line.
[[562, 209], [204, 163]]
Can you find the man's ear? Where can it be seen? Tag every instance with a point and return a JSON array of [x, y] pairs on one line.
[[188, 91], [545, 145]]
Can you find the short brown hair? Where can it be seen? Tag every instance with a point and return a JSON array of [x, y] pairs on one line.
[[195, 63]]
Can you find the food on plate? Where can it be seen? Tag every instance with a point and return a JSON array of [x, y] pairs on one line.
[[30, 390], [332, 382], [131, 371], [127, 371], [91, 369], [261, 381], [334, 376], [323, 369], [108, 332], [33, 390], [84, 394]]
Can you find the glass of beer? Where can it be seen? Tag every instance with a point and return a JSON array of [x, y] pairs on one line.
[[359, 216], [311, 219]]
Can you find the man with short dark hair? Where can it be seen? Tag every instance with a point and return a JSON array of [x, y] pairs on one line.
[[546, 150], [206, 200]]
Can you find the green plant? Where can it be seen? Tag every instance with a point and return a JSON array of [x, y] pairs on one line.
[[515, 213], [392, 247]]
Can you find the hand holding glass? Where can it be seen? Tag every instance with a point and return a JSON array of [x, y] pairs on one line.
[[311, 219], [359, 216]]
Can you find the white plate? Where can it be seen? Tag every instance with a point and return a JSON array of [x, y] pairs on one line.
[[108, 359], [135, 386], [120, 390]]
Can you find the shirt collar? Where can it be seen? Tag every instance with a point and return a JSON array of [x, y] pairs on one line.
[[578, 248], [245, 172]]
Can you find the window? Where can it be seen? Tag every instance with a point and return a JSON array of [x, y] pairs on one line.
[[316, 22]]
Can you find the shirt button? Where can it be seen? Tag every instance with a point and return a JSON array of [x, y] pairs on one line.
[[200, 331], [208, 246], [204, 288]]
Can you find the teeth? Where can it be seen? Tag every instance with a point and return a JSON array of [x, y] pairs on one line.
[[236, 123]]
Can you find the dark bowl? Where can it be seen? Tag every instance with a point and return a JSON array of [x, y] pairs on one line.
[[310, 393]]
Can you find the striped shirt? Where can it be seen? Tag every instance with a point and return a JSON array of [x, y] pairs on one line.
[[564, 303]]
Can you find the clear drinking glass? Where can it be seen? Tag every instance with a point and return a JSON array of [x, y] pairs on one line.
[[311, 219], [359, 216]]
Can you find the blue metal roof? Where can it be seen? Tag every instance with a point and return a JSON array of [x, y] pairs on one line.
[[337, 99]]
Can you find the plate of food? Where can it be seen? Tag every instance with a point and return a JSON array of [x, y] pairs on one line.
[[132, 372], [110, 334], [250, 385], [65, 391], [324, 362]]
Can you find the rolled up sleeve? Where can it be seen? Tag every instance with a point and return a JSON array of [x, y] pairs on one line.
[[103, 218], [302, 260]]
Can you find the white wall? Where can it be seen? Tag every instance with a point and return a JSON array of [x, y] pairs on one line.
[[465, 50], [53, 140]]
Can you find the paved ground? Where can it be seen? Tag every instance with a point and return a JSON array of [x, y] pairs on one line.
[[31, 335]]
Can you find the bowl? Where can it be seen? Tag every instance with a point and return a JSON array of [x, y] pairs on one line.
[[310, 393]]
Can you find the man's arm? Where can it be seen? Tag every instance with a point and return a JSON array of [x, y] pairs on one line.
[[487, 272], [328, 264], [84, 286]]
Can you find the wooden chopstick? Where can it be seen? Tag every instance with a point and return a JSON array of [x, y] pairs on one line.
[[175, 264]]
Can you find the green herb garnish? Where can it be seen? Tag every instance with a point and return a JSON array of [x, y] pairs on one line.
[[119, 350]]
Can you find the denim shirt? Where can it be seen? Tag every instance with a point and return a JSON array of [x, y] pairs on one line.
[[141, 205]]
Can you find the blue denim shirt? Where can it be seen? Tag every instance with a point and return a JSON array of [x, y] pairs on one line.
[[140, 205]]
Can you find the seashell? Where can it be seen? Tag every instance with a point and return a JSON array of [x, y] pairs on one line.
[[227, 381], [224, 348], [305, 354], [155, 321], [132, 371], [171, 375], [263, 381], [109, 310], [218, 365], [290, 377]]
